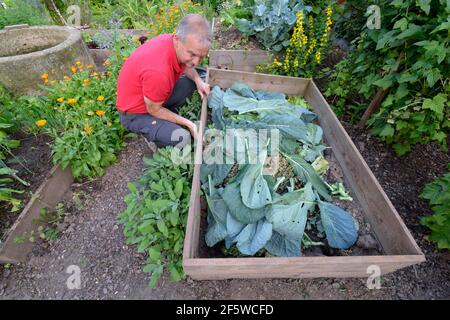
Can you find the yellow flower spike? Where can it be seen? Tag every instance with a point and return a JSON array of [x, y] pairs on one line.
[[100, 98], [74, 69], [88, 129], [60, 99], [41, 122], [72, 101], [66, 78], [100, 112], [44, 76], [90, 113]]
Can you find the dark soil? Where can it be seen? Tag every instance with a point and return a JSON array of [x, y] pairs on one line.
[[232, 39], [32, 162]]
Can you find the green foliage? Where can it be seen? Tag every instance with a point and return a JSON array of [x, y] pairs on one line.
[[156, 214], [438, 193], [272, 22], [249, 209], [192, 108], [8, 175], [410, 58], [232, 10], [23, 11], [80, 114], [307, 46], [341, 90]]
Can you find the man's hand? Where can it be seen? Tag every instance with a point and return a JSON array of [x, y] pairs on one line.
[[203, 88], [193, 129]]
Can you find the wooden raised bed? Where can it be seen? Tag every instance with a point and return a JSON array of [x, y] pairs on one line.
[[400, 249], [49, 193]]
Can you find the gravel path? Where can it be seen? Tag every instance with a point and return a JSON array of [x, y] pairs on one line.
[[94, 241]]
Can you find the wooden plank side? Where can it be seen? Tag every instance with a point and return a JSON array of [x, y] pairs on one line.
[[192, 235], [258, 81], [392, 233], [303, 267], [49, 193], [242, 60]]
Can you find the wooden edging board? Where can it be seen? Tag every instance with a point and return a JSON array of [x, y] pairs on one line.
[[398, 245], [49, 193]]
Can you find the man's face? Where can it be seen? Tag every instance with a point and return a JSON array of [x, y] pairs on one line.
[[191, 51]]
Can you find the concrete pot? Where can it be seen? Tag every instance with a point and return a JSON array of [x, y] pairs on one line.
[[28, 52]]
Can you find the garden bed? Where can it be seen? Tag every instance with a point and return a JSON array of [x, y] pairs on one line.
[[48, 184], [397, 243]]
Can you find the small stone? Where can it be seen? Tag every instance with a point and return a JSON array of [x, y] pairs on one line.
[[105, 291], [336, 285], [366, 241]]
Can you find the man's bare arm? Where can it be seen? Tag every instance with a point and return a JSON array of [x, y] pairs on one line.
[[157, 110], [202, 87]]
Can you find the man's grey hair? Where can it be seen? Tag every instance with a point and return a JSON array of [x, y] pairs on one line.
[[197, 25]]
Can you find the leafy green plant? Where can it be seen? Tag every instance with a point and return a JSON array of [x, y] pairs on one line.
[[8, 175], [409, 58], [307, 46], [233, 10], [246, 206], [156, 214], [23, 11], [79, 113], [272, 22], [341, 90], [438, 193], [192, 108]]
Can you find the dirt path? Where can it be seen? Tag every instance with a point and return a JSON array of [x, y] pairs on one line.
[[111, 270]]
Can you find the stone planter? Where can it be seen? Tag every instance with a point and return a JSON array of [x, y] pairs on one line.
[[28, 52]]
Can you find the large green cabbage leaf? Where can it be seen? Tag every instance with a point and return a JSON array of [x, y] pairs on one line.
[[339, 225]]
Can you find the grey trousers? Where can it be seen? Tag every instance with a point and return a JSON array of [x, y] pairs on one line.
[[164, 133]]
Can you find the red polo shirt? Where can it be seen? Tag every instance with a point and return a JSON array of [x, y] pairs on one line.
[[150, 71]]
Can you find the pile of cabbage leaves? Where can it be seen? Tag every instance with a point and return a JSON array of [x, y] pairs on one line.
[[246, 208]]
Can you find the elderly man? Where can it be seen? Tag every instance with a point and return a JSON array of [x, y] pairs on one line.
[[152, 87]]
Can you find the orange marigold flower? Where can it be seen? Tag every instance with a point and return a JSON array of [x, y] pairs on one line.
[[66, 78], [72, 100], [88, 129], [100, 112], [85, 82], [44, 76], [74, 69], [46, 81], [100, 98], [41, 122], [60, 99], [80, 67], [90, 66]]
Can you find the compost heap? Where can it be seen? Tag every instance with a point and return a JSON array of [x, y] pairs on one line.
[[255, 211]]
